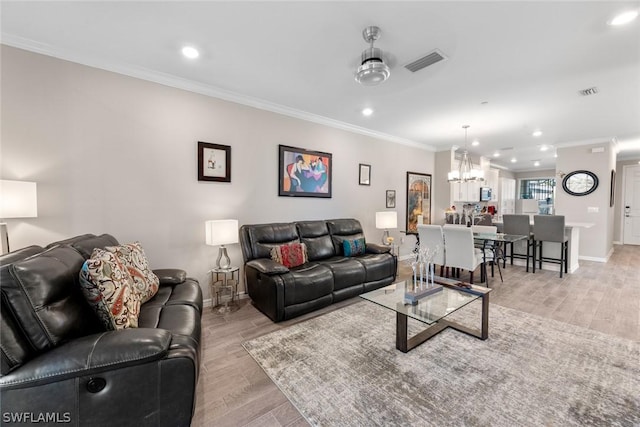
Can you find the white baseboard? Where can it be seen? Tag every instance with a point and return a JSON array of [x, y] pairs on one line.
[[616, 242], [594, 258]]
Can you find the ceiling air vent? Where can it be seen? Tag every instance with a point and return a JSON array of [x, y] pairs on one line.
[[425, 61], [590, 91]]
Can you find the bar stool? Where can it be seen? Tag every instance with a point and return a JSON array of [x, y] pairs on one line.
[[518, 224], [550, 228]]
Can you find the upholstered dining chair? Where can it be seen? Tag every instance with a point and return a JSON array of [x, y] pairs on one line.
[[550, 228], [460, 250], [518, 224], [431, 236], [491, 250]]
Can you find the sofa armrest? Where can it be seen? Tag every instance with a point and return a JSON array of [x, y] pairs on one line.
[[91, 354], [375, 248], [170, 276], [267, 266]]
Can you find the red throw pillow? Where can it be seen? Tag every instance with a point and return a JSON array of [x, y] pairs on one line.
[[291, 255]]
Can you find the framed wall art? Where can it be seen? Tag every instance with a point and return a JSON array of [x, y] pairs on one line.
[[365, 174], [214, 162], [418, 200], [391, 198], [304, 173], [612, 191]]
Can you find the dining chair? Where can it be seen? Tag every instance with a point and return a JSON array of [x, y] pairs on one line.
[[550, 228], [491, 249], [431, 236], [460, 250], [518, 224]]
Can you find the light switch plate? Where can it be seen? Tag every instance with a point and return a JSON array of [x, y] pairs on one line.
[[593, 209]]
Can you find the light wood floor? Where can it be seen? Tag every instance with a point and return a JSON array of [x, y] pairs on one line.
[[234, 391]]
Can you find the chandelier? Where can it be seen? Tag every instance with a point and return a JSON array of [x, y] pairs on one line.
[[465, 171]]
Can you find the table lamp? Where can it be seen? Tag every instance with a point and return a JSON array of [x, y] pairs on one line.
[[18, 199], [384, 221], [222, 232]]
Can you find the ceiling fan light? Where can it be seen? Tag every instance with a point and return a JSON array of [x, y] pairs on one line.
[[372, 73]]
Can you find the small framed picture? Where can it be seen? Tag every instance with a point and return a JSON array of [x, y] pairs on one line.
[[214, 162], [365, 174], [391, 198]]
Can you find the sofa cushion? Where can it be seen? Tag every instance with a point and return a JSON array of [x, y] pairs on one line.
[[86, 245], [353, 247], [108, 287], [291, 255], [347, 272], [264, 237], [315, 234], [42, 295], [344, 229], [307, 283], [187, 292], [377, 266], [132, 256]]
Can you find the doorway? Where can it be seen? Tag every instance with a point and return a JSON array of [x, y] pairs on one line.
[[631, 205]]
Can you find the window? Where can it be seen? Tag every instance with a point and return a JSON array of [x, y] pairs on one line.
[[541, 189]]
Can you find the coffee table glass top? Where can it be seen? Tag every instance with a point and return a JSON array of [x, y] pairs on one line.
[[429, 309]]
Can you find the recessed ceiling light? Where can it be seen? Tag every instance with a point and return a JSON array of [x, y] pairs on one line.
[[537, 133], [496, 154], [624, 18], [555, 155], [544, 147], [513, 160], [367, 112], [190, 52], [536, 163], [475, 143]]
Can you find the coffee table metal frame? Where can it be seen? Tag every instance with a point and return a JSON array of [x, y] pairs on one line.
[[404, 343]]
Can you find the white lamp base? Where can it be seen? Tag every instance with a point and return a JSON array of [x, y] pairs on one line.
[[223, 260]]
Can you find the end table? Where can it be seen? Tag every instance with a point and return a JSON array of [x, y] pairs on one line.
[[224, 287]]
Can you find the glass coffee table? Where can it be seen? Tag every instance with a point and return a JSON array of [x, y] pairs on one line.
[[431, 310]]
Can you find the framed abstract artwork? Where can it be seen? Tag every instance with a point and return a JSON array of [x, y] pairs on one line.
[[304, 173], [391, 198], [418, 200], [365, 174], [214, 162]]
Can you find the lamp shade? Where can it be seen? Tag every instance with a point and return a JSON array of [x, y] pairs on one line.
[[221, 232], [386, 219], [18, 199]]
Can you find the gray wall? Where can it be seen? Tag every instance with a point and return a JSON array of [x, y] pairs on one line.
[[115, 154], [596, 242]]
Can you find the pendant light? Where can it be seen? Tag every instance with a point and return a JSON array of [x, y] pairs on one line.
[[465, 171]]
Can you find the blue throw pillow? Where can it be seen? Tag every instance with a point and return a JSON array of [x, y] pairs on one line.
[[353, 247]]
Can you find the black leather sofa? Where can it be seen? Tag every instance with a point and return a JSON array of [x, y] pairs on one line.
[[59, 365], [328, 276]]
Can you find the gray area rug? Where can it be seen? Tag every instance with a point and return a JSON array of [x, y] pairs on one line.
[[342, 369]]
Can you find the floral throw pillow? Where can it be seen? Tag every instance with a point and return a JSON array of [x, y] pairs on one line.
[[291, 255], [132, 256], [107, 286], [354, 247]]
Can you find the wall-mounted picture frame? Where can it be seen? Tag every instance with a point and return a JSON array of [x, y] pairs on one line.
[[214, 162], [364, 174], [391, 198], [612, 195], [304, 173], [418, 200]]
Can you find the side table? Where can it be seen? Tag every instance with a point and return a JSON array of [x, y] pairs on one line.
[[224, 287]]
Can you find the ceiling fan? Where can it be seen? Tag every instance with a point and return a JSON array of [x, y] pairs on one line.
[[372, 69]]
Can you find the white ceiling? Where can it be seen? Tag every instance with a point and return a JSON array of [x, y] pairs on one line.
[[526, 60]]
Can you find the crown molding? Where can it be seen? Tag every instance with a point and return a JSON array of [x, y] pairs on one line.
[[200, 88]]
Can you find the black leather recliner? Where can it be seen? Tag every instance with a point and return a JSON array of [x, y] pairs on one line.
[[328, 276], [58, 364]]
